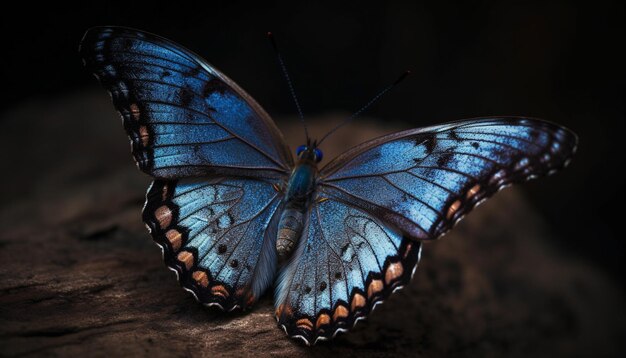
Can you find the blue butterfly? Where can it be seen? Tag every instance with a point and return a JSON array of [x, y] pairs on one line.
[[235, 214]]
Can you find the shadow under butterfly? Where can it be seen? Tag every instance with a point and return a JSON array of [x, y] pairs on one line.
[[235, 214]]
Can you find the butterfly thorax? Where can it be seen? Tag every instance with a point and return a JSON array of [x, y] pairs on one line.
[[298, 194]]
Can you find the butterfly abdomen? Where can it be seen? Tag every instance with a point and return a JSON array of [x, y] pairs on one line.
[[300, 188], [289, 231]]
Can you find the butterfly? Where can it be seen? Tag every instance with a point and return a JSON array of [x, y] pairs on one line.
[[235, 213]]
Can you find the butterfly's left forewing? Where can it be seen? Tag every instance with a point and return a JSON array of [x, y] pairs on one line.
[[183, 116]]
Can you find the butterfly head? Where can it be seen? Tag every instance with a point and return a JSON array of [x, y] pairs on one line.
[[309, 152]]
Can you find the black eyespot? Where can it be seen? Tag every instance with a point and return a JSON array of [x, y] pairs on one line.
[[234, 263], [221, 249]]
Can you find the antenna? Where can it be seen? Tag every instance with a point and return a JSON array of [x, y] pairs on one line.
[[367, 105], [283, 68]]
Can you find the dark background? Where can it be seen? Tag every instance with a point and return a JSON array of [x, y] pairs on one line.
[[558, 60]]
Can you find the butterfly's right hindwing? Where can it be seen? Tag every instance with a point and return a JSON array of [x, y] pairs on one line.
[[218, 235]]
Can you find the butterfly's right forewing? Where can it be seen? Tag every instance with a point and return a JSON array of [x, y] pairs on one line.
[[422, 181]]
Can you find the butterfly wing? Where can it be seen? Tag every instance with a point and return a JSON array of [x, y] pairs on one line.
[[347, 261], [378, 200], [422, 181], [183, 117], [218, 235]]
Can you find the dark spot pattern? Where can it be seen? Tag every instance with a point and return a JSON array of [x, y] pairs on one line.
[[221, 249], [234, 264], [185, 96], [322, 286], [344, 248], [212, 86], [444, 159], [430, 141], [193, 72]]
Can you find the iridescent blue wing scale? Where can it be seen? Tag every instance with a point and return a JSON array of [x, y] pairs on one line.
[[183, 117], [376, 202], [347, 262], [218, 235]]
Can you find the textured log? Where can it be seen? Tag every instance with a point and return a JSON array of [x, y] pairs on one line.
[[81, 276]]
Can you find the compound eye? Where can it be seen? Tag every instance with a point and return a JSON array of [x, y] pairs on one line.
[[318, 155], [300, 149]]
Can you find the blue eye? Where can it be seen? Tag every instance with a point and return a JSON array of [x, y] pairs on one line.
[[318, 155], [300, 149]]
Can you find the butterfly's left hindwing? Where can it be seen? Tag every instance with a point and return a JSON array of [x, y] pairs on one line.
[[347, 261], [218, 235], [183, 117]]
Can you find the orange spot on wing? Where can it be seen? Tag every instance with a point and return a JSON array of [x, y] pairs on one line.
[[473, 191], [279, 310], [175, 239], [134, 111], [394, 271], [304, 323], [453, 209], [340, 312], [201, 278], [358, 301], [144, 136], [219, 290], [322, 320], [164, 216], [374, 288], [186, 258]]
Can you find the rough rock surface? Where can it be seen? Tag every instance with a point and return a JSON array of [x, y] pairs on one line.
[[81, 276]]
